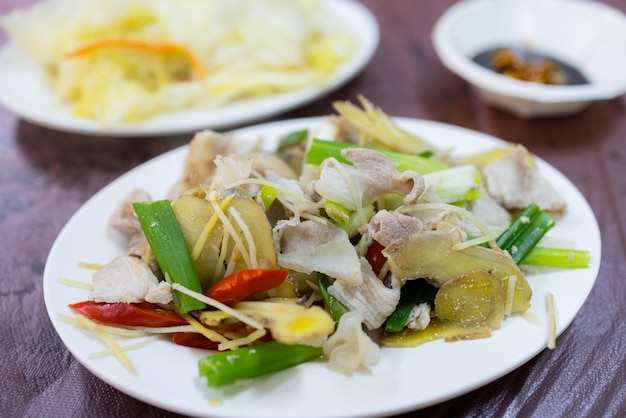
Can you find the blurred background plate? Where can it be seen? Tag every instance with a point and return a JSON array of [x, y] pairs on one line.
[[23, 92]]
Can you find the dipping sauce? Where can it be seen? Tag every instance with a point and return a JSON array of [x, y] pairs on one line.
[[530, 66]]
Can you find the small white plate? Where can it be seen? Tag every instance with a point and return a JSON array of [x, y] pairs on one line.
[[588, 35], [23, 92], [405, 379]]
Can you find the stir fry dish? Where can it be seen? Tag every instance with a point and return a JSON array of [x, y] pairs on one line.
[[117, 61], [350, 236]]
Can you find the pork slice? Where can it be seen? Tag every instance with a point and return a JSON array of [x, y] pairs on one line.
[[129, 280], [204, 147], [372, 175], [372, 299], [311, 246], [386, 227], [123, 218], [515, 184], [488, 210]]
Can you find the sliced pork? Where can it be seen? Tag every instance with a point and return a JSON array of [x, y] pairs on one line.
[[386, 227], [311, 246], [372, 175], [129, 280], [204, 147], [514, 183], [372, 299]]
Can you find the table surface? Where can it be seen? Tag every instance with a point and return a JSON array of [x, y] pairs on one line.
[[46, 175]]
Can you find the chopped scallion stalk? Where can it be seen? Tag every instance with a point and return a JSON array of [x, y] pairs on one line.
[[166, 239], [505, 240], [525, 232], [293, 138], [455, 184], [557, 257], [412, 293], [337, 212], [335, 308], [250, 362], [267, 195], [321, 149], [531, 236]]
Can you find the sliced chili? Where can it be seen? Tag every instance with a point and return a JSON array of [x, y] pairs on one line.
[[244, 283], [129, 314], [194, 340], [375, 256]]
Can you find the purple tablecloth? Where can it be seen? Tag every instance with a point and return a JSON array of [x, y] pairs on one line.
[[46, 175]]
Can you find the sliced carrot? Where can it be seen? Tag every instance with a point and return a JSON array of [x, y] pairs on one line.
[[163, 47]]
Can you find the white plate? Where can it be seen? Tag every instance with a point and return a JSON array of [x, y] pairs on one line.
[[22, 90], [405, 379]]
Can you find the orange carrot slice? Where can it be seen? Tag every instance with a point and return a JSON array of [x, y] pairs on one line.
[[162, 47]]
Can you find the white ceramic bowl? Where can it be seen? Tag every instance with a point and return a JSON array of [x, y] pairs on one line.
[[583, 33]]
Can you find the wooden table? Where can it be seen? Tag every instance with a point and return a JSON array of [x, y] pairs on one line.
[[46, 175]]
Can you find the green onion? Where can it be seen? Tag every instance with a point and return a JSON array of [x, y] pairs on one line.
[[267, 195], [505, 240], [293, 138], [250, 362], [531, 236], [521, 237], [337, 212], [525, 232], [321, 149], [168, 244], [455, 184], [557, 257], [335, 308], [412, 293]]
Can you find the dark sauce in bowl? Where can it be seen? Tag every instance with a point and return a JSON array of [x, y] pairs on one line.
[[530, 66]]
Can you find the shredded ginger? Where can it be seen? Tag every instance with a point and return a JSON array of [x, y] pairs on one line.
[[119, 61]]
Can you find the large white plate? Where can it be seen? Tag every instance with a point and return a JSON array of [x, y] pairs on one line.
[[405, 379], [23, 92]]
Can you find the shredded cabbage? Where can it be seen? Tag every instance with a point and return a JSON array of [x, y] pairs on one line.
[[248, 48]]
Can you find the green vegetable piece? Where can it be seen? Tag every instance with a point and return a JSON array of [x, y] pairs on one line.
[[335, 308], [337, 212], [412, 293], [267, 195], [250, 362], [557, 257], [322, 149], [293, 138], [166, 239], [517, 227], [531, 235], [455, 184]]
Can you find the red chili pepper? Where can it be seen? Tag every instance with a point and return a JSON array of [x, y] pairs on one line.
[[375, 256], [130, 314], [241, 284], [195, 340]]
